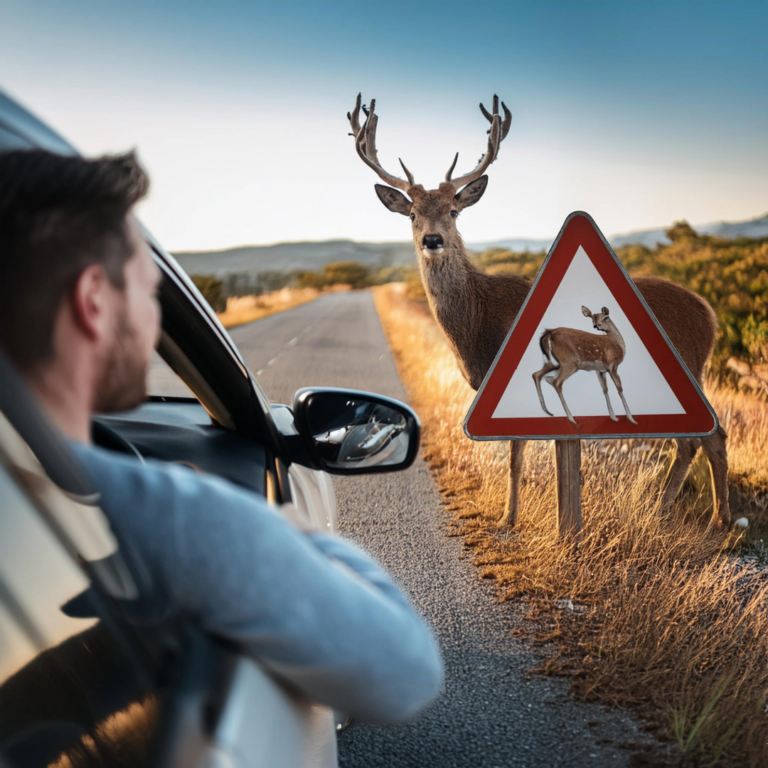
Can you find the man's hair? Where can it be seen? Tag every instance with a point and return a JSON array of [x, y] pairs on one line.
[[58, 216]]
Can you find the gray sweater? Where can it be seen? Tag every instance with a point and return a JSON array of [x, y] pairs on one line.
[[314, 609]]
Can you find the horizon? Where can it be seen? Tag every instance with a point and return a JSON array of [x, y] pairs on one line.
[[407, 241], [637, 113]]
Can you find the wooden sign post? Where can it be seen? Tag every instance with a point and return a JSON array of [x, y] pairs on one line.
[[585, 358], [568, 472]]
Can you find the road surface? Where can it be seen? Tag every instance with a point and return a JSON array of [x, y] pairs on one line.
[[489, 715]]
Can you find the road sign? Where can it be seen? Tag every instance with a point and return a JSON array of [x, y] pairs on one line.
[[586, 348]]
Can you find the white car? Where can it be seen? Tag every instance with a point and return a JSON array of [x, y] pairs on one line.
[[63, 677]]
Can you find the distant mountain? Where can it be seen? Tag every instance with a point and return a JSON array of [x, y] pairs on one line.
[[313, 255], [289, 256], [513, 244], [751, 228]]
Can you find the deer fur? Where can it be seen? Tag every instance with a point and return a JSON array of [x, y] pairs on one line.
[[476, 310]]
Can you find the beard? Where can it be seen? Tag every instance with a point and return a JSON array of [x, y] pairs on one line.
[[122, 381]]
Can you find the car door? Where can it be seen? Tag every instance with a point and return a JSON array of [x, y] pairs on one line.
[[91, 687]]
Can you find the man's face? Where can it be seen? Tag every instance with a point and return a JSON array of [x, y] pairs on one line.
[[127, 353]]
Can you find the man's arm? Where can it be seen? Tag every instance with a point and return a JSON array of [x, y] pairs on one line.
[[314, 609]]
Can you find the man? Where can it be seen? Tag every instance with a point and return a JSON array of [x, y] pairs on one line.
[[79, 318]]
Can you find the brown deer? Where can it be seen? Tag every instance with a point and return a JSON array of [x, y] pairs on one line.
[[567, 351], [476, 310]]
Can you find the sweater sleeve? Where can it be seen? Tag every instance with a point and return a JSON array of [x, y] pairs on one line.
[[315, 610]]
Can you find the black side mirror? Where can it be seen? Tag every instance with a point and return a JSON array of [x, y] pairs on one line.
[[348, 432]]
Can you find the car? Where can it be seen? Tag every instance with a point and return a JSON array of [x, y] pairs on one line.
[[66, 678]]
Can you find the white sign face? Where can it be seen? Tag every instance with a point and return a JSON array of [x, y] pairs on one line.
[[645, 388]]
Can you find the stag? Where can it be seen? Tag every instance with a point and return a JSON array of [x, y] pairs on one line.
[[475, 310]]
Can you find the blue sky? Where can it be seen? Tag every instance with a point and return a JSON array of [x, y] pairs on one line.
[[638, 112]]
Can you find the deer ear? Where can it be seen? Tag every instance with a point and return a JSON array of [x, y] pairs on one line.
[[471, 193], [585, 311], [396, 201], [605, 311]]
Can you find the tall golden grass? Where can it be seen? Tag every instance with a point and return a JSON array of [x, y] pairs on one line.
[[245, 309], [649, 611]]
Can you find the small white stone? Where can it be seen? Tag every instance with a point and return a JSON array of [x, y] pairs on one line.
[[742, 522]]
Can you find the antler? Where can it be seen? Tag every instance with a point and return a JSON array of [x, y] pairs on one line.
[[365, 143], [496, 134]]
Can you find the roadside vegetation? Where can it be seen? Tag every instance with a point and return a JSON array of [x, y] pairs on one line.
[[241, 298], [239, 310], [245, 309], [652, 612]]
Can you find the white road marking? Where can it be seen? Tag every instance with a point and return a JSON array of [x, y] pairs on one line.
[[293, 341]]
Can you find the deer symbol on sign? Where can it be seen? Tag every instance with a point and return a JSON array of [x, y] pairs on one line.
[[567, 351]]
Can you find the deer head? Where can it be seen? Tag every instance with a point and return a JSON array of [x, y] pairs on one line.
[[432, 212], [600, 320]]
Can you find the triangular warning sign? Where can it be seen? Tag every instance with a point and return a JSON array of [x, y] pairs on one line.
[[584, 331]]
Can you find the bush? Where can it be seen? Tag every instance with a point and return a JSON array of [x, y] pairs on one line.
[[346, 273], [732, 275], [308, 279], [212, 289]]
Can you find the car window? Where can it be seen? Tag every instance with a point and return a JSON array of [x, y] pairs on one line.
[[163, 381]]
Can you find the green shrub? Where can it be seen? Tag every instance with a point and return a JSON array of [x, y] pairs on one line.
[[346, 273]]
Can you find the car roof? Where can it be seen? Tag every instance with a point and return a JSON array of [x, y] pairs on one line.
[[22, 130]]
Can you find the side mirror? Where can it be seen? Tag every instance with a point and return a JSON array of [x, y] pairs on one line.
[[347, 432]]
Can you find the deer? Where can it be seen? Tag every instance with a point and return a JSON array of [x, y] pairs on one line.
[[475, 310], [567, 351]]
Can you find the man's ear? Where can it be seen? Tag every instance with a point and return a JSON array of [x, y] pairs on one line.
[[396, 201], [471, 193], [90, 300]]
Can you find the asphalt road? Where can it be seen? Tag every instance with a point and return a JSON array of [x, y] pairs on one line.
[[490, 714]]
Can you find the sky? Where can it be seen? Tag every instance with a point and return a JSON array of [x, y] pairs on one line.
[[640, 113]]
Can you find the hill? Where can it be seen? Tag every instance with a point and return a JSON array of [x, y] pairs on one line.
[[291, 256]]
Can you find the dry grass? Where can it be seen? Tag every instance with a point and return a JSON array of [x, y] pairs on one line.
[[245, 309], [745, 418], [650, 611]]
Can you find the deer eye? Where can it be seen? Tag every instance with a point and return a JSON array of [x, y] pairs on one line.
[[413, 217], [454, 214]]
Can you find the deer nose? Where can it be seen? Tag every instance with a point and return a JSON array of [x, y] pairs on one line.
[[432, 242]]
